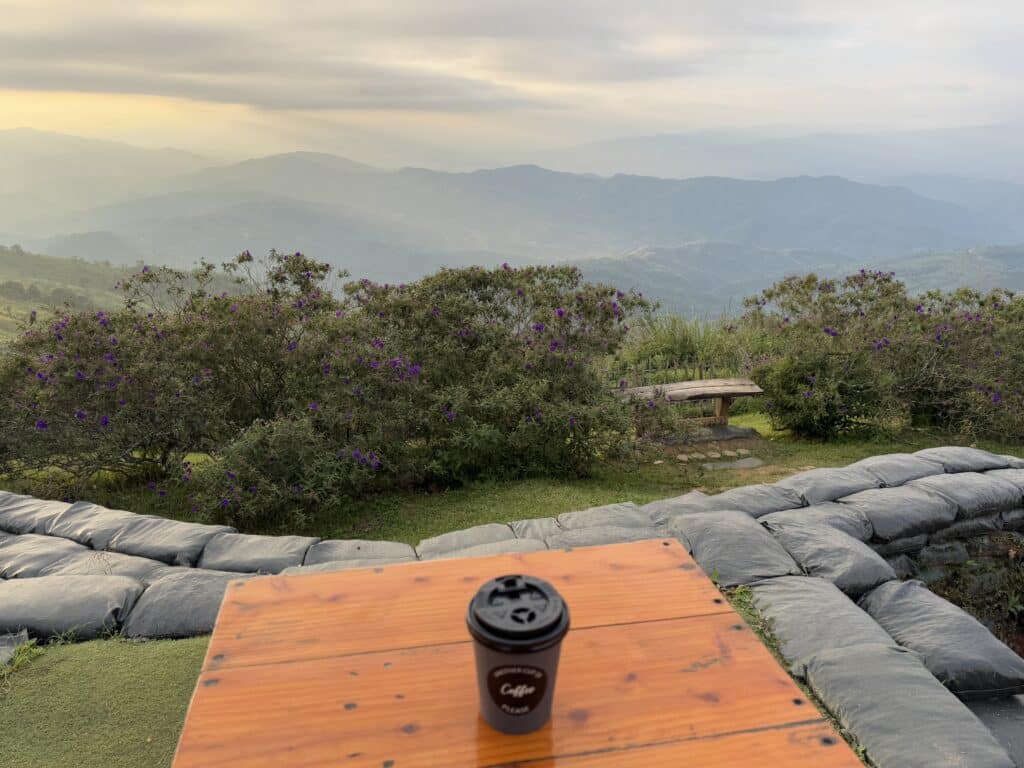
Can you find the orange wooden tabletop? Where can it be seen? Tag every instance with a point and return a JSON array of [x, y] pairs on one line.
[[374, 668]]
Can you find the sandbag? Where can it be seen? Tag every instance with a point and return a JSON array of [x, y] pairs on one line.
[[755, 500], [950, 553], [86, 607], [27, 556], [1013, 520], [181, 604], [975, 493], [733, 548], [333, 550], [828, 484], [509, 546], [900, 714], [810, 615], [1015, 462], [601, 534], [955, 458], [967, 529], [9, 644], [346, 565], [88, 562], [5, 537], [246, 553], [909, 545], [90, 524], [25, 514], [538, 528], [1014, 475], [835, 556], [1005, 719], [833, 514], [662, 510], [953, 645], [897, 513], [171, 541], [905, 567], [894, 469], [468, 537], [624, 515]]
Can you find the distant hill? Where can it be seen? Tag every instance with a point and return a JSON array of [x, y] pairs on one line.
[[383, 224], [704, 278], [50, 174], [31, 281]]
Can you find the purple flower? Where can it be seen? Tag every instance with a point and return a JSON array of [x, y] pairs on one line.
[[225, 502], [538, 327], [79, 375], [622, 383], [234, 307], [161, 492], [414, 370], [996, 397], [560, 312], [650, 404], [377, 465], [41, 425], [314, 406], [293, 346], [809, 393], [572, 421], [230, 475], [252, 489], [356, 454], [80, 415], [505, 266], [519, 292], [104, 420], [150, 486]]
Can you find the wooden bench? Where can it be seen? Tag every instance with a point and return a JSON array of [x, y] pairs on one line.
[[722, 391]]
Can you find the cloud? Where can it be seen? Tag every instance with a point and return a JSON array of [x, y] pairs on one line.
[[505, 72]]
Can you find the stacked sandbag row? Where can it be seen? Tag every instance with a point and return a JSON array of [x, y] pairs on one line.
[[811, 549]]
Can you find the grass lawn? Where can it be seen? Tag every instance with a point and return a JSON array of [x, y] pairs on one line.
[[111, 703], [103, 704], [647, 475]]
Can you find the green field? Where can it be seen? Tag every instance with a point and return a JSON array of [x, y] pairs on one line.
[[113, 703]]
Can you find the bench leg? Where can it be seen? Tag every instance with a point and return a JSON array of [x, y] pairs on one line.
[[722, 409]]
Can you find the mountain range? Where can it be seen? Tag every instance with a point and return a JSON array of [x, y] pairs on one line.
[[698, 243]]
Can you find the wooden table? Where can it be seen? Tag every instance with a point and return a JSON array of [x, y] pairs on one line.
[[374, 668]]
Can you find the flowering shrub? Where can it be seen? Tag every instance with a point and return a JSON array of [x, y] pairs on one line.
[[861, 352], [466, 373]]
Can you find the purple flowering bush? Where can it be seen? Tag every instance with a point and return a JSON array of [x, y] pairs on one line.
[[862, 353], [300, 395]]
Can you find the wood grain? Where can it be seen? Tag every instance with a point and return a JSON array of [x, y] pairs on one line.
[[290, 618], [621, 691]]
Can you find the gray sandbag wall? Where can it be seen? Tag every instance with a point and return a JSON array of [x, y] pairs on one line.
[[825, 553]]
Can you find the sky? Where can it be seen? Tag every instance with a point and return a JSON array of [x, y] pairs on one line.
[[457, 82]]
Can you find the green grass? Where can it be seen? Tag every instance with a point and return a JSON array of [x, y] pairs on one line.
[[103, 704]]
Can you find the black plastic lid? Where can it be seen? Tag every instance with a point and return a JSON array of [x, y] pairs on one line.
[[518, 614]]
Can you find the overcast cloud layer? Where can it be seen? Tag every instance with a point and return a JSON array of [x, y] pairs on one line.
[[415, 79]]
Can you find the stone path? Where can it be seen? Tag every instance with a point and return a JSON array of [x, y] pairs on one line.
[[822, 552]]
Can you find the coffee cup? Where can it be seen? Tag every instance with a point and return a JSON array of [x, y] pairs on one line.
[[517, 623]]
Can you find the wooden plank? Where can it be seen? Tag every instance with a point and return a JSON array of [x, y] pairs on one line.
[[620, 688], [287, 618], [701, 389], [796, 746]]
